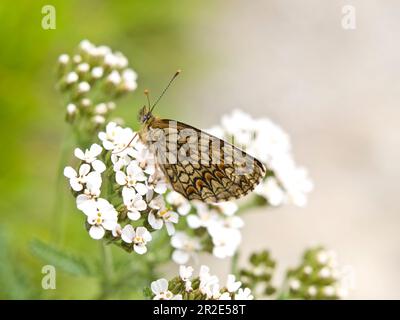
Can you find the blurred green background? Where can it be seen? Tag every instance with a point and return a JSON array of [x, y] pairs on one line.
[[33, 205]]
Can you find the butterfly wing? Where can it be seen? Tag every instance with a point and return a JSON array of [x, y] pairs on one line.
[[200, 166]]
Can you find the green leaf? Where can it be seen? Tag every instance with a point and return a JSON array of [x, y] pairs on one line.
[[62, 260], [13, 281], [147, 293]]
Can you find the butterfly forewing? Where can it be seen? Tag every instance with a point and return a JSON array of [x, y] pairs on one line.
[[200, 166]]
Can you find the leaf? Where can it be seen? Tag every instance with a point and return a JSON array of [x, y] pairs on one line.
[[60, 259], [13, 281], [147, 293]]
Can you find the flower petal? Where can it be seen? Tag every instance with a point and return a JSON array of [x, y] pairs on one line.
[[96, 232], [134, 215], [70, 172], [140, 249], [128, 233], [180, 257], [95, 150], [98, 166], [84, 169], [120, 177], [141, 188], [79, 154]]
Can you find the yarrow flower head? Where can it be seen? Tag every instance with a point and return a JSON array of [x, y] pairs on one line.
[[285, 181], [203, 287], [131, 203], [91, 78], [319, 277]]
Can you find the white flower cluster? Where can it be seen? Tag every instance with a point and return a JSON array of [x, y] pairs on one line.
[[218, 221], [143, 185], [86, 183], [286, 182], [91, 70], [137, 189], [206, 286]]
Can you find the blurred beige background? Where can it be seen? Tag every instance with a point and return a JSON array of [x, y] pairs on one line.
[[336, 92]]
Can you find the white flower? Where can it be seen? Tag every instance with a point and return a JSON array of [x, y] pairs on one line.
[[90, 156], [225, 296], [144, 157], [205, 217], [212, 290], [158, 185], [180, 202], [186, 247], [138, 238], [108, 138], [225, 240], [122, 61], [269, 141], [160, 290], [207, 282], [90, 193], [270, 190], [134, 203], [244, 294], [238, 124], [133, 178], [117, 138], [228, 208], [231, 284], [101, 215], [162, 215], [83, 177], [233, 222], [117, 231], [185, 272], [271, 145]]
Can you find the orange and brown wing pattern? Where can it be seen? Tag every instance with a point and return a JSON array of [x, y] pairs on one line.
[[203, 167]]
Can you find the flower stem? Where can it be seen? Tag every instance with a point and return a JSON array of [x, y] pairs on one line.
[[234, 263], [108, 271], [58, 206]]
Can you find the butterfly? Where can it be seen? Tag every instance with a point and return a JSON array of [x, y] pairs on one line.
[[198, 165]]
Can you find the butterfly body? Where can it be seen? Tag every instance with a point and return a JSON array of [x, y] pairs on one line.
[[198, 165]]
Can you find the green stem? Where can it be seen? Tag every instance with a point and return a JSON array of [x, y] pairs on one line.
[[108, 271], [58, 206], [235, 263]]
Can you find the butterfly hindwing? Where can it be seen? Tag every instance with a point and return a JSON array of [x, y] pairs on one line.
[[200, 166]]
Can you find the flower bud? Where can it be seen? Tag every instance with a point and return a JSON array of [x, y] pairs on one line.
[[71, 78], [101, 109], [83, 87], [97, 72], [71, 112]]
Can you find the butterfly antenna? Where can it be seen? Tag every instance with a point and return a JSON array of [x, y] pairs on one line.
[[165, 89], [128, 145], [147, 93]]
